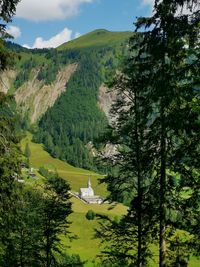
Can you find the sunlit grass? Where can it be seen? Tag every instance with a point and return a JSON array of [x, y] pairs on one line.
[[85, 245], [76, 177]]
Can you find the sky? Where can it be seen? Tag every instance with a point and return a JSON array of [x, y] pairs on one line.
[[49, 23]]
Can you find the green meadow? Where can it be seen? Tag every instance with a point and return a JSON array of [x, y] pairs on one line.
[[84, 242], [86, 245], [75, 176], [96, 38]]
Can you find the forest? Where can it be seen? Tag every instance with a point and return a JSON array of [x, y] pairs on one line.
[[155, 170], [75, 119]]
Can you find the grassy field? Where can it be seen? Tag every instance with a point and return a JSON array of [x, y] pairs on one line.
[[75, 176], [97, 38], [85, 245]]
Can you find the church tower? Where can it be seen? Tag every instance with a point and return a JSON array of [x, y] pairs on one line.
[[89, 183]]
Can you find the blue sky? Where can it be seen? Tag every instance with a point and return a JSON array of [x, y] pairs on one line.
[[48, 23]]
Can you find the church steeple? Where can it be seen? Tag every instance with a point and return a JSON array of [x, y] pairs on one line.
[[89, 183]]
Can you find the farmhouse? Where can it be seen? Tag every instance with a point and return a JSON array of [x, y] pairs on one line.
[[87, 195]]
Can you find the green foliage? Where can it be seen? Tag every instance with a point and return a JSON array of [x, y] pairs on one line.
[[70, 261], [45, 173], [90, 215], [23, 249], [5, 56], [180, 248], [97, 38], [48, 73], [8, 9], [157, 133], [16, 47], [30, 222], [27, 152], [39, 221], [25, 72], [76, 116], [55, 209], [9, 172]]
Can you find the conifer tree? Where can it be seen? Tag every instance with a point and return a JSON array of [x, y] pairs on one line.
[[7, 10], [9, 171], [171, 42], [55, 209], [27, 153], [135, 177], [9, 151], [158, 139]]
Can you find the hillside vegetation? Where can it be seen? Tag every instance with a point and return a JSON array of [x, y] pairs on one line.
[[77, 177], [85, 244], [34, 97], [58, 93], [97, 38]]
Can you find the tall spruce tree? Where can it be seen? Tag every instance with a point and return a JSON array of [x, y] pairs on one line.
[[55, 209], [9, 170], [172, 46], [135, 181], [7, 10], [163, 148], [9, 152]]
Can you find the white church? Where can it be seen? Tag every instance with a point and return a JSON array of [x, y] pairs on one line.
[[87, 195]]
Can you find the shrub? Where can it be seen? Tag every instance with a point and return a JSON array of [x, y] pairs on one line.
[[90, 215]]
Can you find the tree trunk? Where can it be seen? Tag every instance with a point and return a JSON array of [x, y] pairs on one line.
[[139, 193], [139, 264], [47, 248], [22, 249], [162, 246]]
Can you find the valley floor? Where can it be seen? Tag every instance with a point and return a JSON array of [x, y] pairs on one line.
[[85, 244]]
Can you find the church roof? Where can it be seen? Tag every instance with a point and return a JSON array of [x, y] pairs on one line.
[[84, 190]]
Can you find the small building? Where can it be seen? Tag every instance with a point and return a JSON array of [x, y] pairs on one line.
[[86, 192], [87, 195], [31, 173]]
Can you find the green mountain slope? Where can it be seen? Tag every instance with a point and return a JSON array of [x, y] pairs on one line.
[[57, 92], [97, 38]]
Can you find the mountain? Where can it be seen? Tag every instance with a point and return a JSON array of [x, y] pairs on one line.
[[60, 93], [97, 38]]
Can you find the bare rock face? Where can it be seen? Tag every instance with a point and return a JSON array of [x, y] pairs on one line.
[[6, 79], [34, 98], [106, 99]]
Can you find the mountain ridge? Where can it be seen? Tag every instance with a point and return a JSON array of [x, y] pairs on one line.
[[96, 38]]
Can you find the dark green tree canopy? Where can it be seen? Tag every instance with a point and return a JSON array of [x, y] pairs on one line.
[[157, 133]]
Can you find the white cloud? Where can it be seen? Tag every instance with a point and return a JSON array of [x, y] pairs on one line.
[[55, 41], [77, 35], [180, 10], [148, 2], [183, 10], [46, 10], [26, 46], [14, 31]]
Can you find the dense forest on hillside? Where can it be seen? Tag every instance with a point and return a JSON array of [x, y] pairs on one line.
[[76, 119]]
